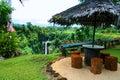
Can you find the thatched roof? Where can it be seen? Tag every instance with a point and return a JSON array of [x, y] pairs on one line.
[[118, 7], [84, 13]]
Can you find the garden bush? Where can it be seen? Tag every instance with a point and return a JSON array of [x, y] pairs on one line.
[[8, 44]]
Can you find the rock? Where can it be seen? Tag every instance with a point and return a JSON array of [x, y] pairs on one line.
[[18, 53], [52, 72], [54, 61], [59, 77], [64, 79], [49, 64], [1, 58], [48, 69], [56, 74]]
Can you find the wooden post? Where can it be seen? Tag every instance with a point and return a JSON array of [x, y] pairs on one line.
[[111, 63], [76, 60], [75, 52], [96, 65], [103, 55]]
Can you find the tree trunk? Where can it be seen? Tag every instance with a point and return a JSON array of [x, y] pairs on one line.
[[111, 63], [76, 61], [96, 65]]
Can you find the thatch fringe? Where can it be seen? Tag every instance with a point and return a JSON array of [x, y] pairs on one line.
[[84, 13], [118, 21]]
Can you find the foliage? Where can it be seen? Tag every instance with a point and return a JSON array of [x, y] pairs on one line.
[[116, 0], [5, 10], [8, 44], [32, 37], [8, 40], [57, 42], [28, 67], [84, 33], [107, 34]]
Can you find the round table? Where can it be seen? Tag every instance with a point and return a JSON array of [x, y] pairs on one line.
[[91, 51]]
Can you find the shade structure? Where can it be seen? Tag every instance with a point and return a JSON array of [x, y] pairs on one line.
[[118, 9], [89, 13], [84, 13]]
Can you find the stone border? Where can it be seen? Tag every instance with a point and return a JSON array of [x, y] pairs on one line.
[[52, 74], [1, 58]]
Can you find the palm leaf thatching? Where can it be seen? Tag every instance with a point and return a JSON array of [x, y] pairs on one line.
[[118, 9], [88, 12]]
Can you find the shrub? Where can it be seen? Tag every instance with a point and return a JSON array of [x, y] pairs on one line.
[[8, 44], [5, 10], [8, 40]]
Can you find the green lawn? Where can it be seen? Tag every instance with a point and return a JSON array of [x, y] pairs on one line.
[[26, 67], [114, 51]]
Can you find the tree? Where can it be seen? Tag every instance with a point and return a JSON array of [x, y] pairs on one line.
[[5, 10], [116, 0], [8, 40]]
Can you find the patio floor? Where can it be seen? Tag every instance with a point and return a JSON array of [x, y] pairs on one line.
[[63, 67]]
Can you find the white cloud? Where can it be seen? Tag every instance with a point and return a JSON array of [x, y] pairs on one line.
[[39, 10]]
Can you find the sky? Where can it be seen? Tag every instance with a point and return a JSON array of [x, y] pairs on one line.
[[39, 11]]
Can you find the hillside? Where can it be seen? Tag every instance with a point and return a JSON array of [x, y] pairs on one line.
[[28, 67]]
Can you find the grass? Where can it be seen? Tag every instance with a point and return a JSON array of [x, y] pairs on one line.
[[114, 51], [28, 67]]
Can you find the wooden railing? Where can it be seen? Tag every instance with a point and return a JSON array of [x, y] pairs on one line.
[[105, 43]]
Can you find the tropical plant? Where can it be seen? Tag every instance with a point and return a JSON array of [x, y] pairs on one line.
[[5, 10], [8, 40], [8, 44]]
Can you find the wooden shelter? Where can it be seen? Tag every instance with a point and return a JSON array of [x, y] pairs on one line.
[[118, 9], [84, 13]]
